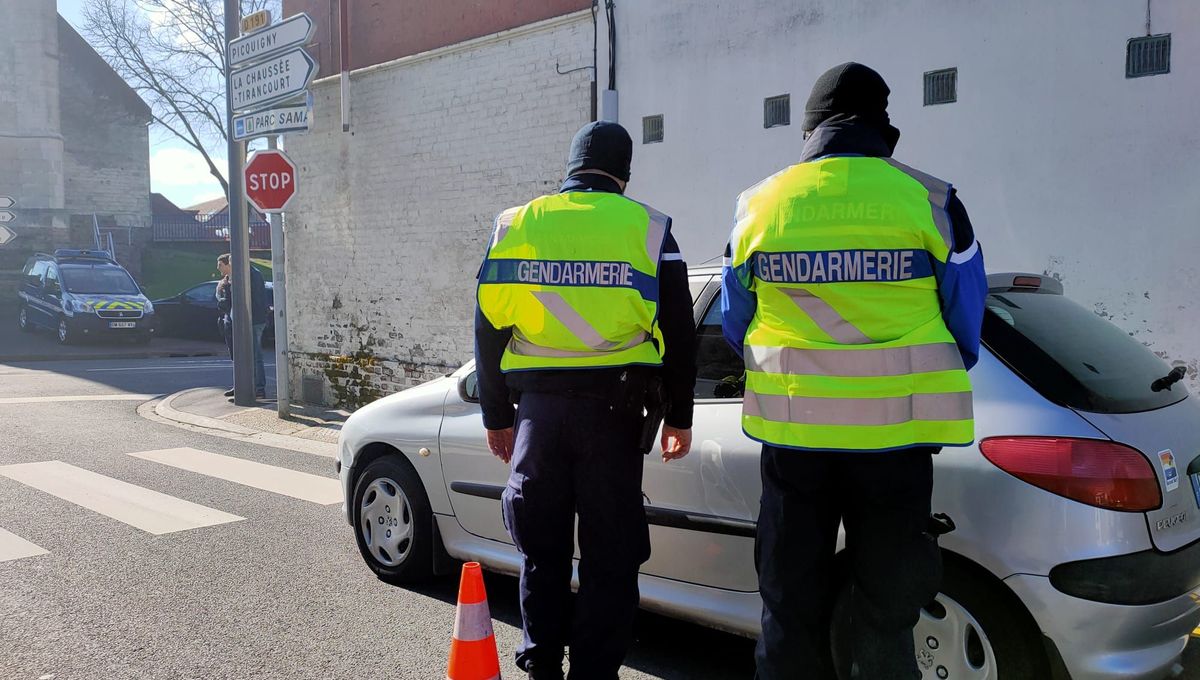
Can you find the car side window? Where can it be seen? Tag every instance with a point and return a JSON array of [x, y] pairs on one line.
[[34, 273], [720, 373], [52, 284], [205, 292]]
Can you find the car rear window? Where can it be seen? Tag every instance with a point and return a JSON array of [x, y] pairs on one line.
[[98, 280], [1072, 356]]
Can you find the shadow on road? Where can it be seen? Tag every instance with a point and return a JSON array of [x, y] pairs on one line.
[[663, 647]]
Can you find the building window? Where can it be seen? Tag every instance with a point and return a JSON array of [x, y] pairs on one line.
[[941, 87], [1148, 56], [777, 111], [652, 129]]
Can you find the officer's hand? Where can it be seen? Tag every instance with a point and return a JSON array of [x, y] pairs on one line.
[[675, 443], [501, 443]]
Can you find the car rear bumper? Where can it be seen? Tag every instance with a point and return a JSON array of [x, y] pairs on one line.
[[1099, 641]]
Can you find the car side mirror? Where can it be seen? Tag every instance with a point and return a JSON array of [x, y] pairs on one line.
[[468, 388]]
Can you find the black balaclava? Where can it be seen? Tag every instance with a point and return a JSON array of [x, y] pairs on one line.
[[601, 145], [846, 90]]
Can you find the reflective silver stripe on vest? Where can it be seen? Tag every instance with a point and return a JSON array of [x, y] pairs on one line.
[[858, 363], [523, 347], [781, 408], [939, 196], [826, 317], [574, 321], [656, 232], [503, 221]]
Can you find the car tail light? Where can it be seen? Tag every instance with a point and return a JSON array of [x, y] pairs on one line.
[[1100, 473]]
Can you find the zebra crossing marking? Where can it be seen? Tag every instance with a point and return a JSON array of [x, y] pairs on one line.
[[283, 481], [151, 511], [13, 547]]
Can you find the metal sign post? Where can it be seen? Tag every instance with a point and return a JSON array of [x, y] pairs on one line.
[[283, 394], [239, 239]]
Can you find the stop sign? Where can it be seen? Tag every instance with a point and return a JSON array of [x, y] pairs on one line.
[[270, 180]]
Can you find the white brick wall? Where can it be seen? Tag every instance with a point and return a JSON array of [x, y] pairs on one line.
[[389, 227]]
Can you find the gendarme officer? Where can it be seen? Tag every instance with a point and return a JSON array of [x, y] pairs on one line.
[[584, 320], [855, 290]]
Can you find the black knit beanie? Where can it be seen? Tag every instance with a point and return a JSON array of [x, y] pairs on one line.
[[849, 88], [601, 145]]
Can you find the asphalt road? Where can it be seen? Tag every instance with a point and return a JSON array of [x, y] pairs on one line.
[[186, 575]]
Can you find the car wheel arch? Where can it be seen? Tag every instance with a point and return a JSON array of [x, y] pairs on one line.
[[969, 570], [443, 563]]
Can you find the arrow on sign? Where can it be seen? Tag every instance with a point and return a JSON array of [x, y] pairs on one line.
[[6, 235], [7, 216], [7, 202], [293, 31], [275, 80]]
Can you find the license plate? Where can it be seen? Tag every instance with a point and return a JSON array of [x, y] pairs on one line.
[[122, 324]]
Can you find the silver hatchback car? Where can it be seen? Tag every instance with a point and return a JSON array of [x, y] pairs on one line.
[[1077, 547]]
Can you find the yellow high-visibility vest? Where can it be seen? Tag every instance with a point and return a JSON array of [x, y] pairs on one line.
[[575, 275], [847, 349]]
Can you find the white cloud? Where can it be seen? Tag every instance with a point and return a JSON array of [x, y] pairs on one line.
[[181, 175]]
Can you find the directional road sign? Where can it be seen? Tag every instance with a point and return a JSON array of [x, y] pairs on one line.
[[6, 216], [6, 235], [271, 122], [7, 202], [291, 32], [270, 180], [278, 79]]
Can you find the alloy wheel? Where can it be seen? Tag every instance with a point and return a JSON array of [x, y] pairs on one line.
[[386, 522], [23, 318], [951, 645], [62, 331]]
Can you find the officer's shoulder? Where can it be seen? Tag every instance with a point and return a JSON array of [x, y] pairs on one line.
[[919, 175], [762, 184]]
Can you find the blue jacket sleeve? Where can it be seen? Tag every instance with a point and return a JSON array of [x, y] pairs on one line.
[[963, 284], [738, 304]]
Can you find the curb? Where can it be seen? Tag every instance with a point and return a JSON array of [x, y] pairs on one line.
[[162, 411], [20, 358]]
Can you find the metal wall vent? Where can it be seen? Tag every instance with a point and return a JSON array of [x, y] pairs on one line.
[[777, 111], [312, 389], [941, 87], [652, 129], [1148, 56]]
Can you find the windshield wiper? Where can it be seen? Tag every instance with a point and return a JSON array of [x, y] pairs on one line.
[[1165, 382]]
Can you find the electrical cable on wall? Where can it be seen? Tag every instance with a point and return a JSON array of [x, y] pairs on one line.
[[612, 43]]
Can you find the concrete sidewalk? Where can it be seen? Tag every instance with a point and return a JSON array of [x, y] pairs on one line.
[[311, 429]]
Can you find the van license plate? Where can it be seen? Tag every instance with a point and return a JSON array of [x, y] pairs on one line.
[[122, 324]]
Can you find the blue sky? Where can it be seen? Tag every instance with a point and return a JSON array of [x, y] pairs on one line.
[[176, 170]]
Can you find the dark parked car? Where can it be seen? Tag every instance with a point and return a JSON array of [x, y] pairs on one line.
[[193, 313], [83, 294]]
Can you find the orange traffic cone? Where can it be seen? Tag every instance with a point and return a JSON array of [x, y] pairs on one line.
[[473, 648]]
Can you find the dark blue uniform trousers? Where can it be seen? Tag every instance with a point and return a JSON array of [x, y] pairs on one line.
[[893, 565], [577, 455]]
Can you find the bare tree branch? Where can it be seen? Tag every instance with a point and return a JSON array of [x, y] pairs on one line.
[[172, 52]]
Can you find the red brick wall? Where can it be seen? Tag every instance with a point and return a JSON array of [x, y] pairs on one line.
[[383, 30]]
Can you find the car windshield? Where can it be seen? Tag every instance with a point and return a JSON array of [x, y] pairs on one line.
[[98, 279], [1072, 356]]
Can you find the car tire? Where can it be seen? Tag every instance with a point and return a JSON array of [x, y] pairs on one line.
[[393, 522], [23, 321], [65, 336], [975, 629]]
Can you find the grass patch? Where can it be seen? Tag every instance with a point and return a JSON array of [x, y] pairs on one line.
[[167, 271]]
